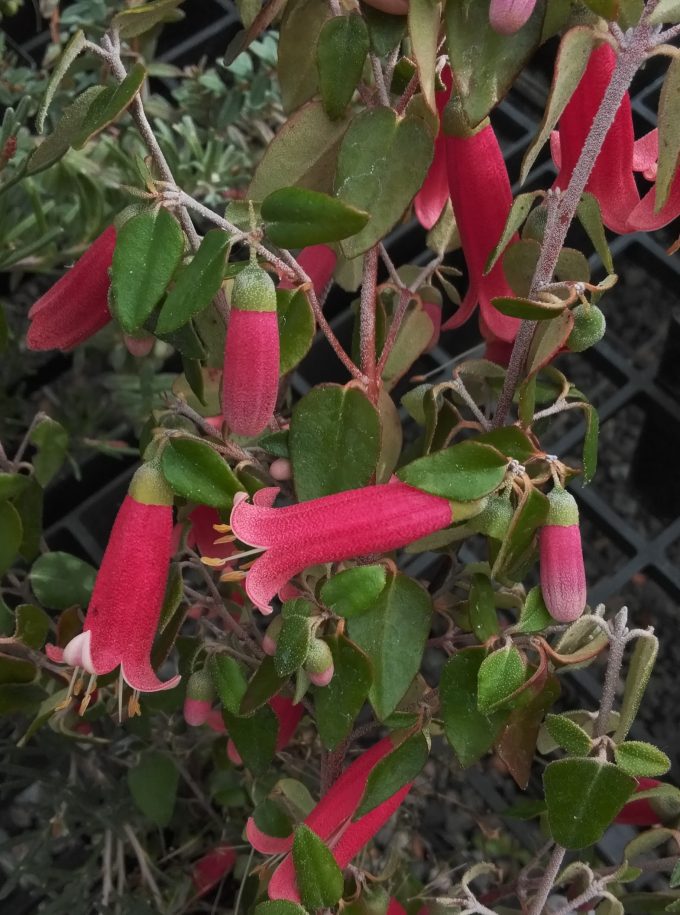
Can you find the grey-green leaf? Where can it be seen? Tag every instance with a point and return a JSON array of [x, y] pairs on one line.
[[197, 285], [153, 786]]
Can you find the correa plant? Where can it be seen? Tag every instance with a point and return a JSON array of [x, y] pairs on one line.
[[251, 655]]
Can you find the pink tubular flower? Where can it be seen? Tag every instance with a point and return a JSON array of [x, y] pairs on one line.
[[347, 524], [318, 262], [331, 820], [76, 307], [508, 16], [640, 813], [213, 867], [481, 198], [432, 196], [612, 179], [563, 577], [123, 614], [203, 536], [251, 356]]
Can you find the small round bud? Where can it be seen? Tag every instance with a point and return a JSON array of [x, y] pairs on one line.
[[196, 711], [319, 663], [589, 327], [253, 290], [271, 636], [139, 345], [281, 469]]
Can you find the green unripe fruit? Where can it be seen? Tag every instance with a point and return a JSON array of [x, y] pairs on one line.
[[589, 327], [149, 486], [200, 686], [563, 510], [253, 290], [495, 519], [319, 657]]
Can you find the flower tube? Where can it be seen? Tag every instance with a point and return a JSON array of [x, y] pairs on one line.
[[563, 577], [76, 307], [357, 522]]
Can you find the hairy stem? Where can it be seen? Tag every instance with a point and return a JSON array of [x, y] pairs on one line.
[[547, 880], [629, 61], [617, 644], [367, 320]]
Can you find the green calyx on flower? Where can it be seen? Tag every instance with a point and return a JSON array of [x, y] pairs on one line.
[[253, 290], [149, 487], [562, 510]]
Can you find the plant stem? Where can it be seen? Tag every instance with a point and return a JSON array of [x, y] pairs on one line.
[[617, 644], [629, 61], [367, 321], [547, 880]]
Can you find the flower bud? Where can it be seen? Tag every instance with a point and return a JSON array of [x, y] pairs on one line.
[[199, 698], [281, 469], [563, 577], [495, 518], [589, 327], [138, 345], [271, 636], [319, 663], [251, 357], [508, 16]]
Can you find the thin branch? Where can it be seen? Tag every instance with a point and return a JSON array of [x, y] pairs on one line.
[[459, 388], [379, 78], [617, 644], [367, 319], [548, 880]]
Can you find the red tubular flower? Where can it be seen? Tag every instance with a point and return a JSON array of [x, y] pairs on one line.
[[612, 180], [331, 820], [432, 196], [199, 698], [76, 307], [213, 867], [124, 610], [318, 262], [480, 193], [563, 577], [288, 717], [203, 536], [347, 524], [251, 357], [508, 16], [640, 813]]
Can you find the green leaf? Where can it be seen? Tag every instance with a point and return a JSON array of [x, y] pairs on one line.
[[355, 590], [374, 175], [469, 732], [394, 771], [318, 876], [11, 484], [57, 144], [518, 213], [424, 23], [292, 645], [482, 608], [196, 472], [298, 74], [148, 250], [501, 674], [412, 340], [341, 424], [529, 515], [279, 907], [669, 134], [264, 684], [590, 217], [51, 440], [197, 285], [570, 64], [230, 683], [140, 19], [20, 697], [516, 745], [666, 11], [549, 338], [568, 735], [29, 504], [16, 670], [60, 580], [385, 30], [534, 616], [272, 820], [109, 105], [174, 592], [527, 309], [338, 704], [11, 532], [295, 217], [340, 55], [510, 441], [483, 62], [153, 785], [254, 737], [638, 758], [301, 153], [32, 625], [674, 879], [393, 635], [464, 472], [296, 331], [73, 48], [590, 442], [639, 671], [583, 796]]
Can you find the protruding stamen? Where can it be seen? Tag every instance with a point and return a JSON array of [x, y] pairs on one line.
[[91, 686], [222, 528], [134, 707], [235, 575]]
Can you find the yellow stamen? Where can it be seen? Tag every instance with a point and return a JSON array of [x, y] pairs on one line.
[[236, 575], [134, 707], [222, 528], [87, 698], [213, 562], [248, 565], [228, 538]]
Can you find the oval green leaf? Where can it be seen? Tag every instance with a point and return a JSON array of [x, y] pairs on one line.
[[355, 590], [60, 580], [340, 55], [196, 472], [319, 878], [338, 704], [295, 217], [464, 472]]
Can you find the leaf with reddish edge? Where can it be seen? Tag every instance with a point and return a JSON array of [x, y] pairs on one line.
[[549, 338], [517, 743]]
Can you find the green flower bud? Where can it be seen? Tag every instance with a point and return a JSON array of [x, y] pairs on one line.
[[563, 510], [589, 327], [253, 290], [495, 518]]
